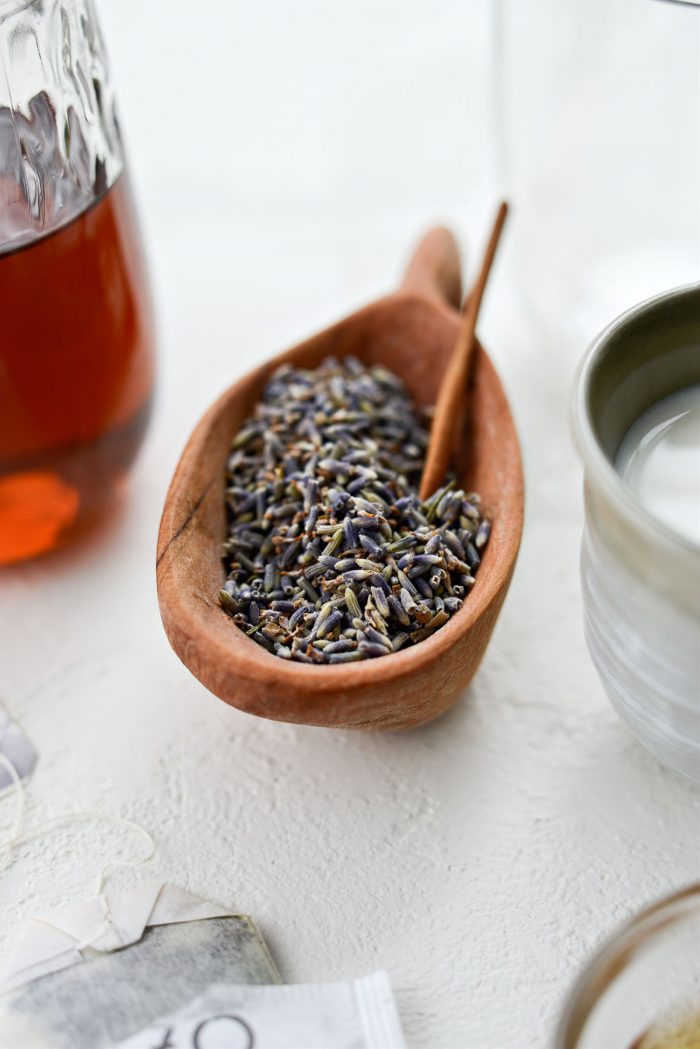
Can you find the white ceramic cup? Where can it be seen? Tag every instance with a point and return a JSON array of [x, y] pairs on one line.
[[640, 579]]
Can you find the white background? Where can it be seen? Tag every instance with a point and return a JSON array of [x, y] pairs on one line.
[[286, 157]]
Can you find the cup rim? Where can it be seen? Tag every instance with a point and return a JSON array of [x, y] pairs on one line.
[[595, 462], [610, 958]]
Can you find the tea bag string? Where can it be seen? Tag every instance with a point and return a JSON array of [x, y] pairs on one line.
[[19, 835]]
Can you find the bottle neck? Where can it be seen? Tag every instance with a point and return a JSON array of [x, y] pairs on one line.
[[59, 137]]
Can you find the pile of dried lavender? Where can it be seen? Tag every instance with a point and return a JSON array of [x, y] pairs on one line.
[[331, 555]]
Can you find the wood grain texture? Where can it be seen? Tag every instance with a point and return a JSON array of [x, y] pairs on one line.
[[414, 335]]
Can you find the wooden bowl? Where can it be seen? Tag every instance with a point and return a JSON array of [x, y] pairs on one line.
[[412, 332]]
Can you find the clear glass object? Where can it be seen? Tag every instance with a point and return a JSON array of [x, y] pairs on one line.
[[77, 346], [642, 988], [598, 128], [640, 577]]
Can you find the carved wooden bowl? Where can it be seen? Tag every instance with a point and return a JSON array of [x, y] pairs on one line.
[[413, 333]]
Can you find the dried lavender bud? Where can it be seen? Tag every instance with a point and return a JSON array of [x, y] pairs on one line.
[[399, 640], [373, 548], [380, 601], [346, 657], [352, 604], [370, 649], [482, 535], [329, 624], [424, 588], [399, 611], [376, 638], [342, 645]]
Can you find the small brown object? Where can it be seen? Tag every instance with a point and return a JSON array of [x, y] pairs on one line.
[[449, 409], [412, 332]]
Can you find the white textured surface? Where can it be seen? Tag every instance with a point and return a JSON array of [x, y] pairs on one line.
[[287, 156]]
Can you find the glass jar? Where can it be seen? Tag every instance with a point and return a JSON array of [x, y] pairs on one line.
[[77, 347], [598, 123], [640, 578], [642, 989]]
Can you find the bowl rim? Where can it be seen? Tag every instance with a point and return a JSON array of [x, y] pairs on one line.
[[611, 956], [596, 464]]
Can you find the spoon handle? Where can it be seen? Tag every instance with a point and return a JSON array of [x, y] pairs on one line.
[[434, 270], [450, 402]]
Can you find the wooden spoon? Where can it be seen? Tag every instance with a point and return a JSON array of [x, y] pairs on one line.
[[413, 332], [450, 404]]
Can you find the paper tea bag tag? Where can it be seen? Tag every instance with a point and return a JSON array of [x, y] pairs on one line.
[[356, 1014]]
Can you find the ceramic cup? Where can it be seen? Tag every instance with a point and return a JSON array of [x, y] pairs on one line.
[[640, 579], [640, 990]]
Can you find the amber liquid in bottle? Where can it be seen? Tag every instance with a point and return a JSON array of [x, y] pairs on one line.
[[76, 372]]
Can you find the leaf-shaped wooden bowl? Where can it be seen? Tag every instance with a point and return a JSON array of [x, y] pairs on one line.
[[412, 332]]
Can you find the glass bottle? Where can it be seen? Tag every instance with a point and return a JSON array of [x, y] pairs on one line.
[[77, 335]]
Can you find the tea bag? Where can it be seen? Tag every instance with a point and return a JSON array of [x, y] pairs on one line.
[[356, 1014], [92, 973]]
